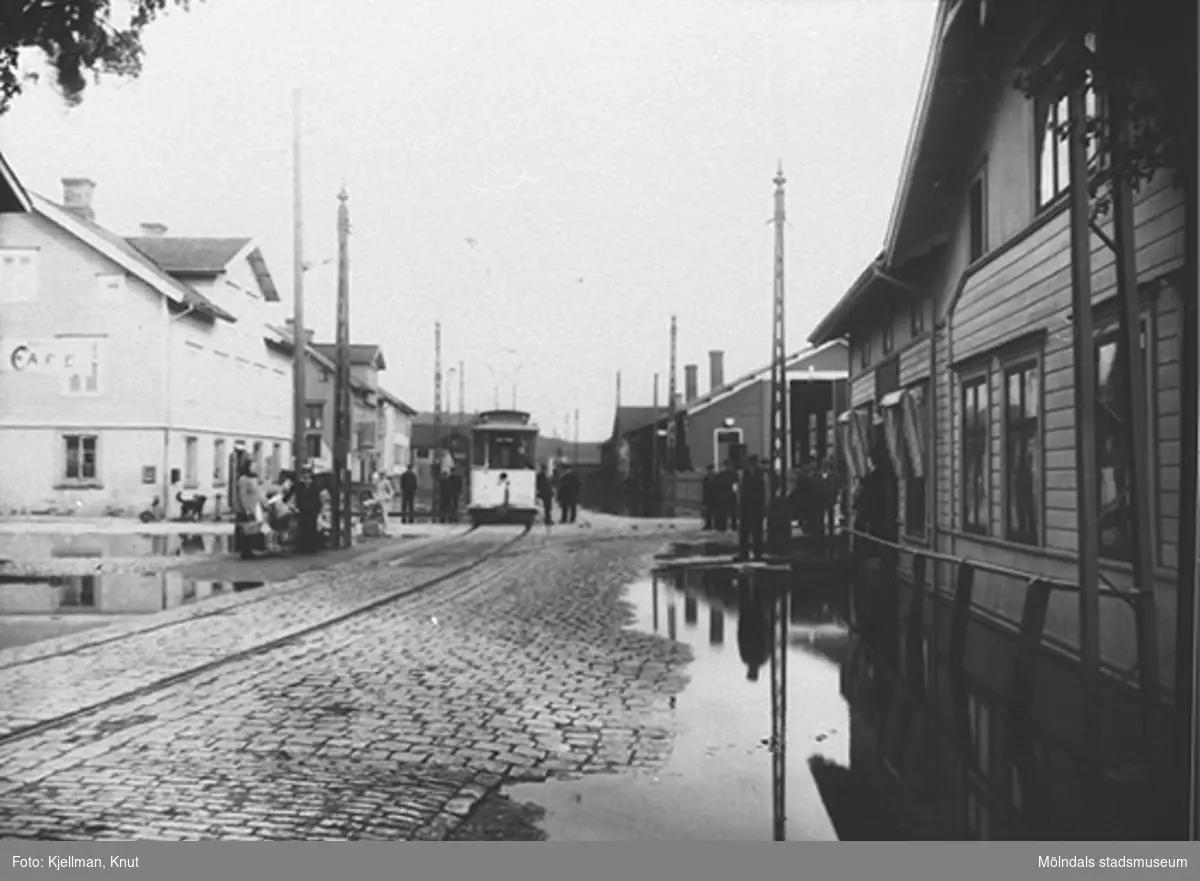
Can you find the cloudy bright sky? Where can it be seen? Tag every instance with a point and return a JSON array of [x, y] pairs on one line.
[[627, 143]]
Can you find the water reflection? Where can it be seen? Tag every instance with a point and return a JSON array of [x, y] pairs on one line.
[[46, 545], [116, 593]]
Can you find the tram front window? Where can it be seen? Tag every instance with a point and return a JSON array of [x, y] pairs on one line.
[[510, 451]]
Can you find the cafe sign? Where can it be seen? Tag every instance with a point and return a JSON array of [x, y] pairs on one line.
[[52, 357]]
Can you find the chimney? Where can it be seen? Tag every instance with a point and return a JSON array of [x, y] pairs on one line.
[[689, 383], [716, 369], [308, 331], [77, 196], [155, 230]]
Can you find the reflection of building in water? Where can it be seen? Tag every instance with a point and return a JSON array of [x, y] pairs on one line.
[[671, 631], [689, 610]]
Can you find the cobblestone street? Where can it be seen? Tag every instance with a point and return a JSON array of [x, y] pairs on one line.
[[505, 660]]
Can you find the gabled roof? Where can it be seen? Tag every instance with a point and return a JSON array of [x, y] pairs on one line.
[[361, 354], [397, 403], [13, 197], [283, 340], [794, 361], [190, 257], [629, 419], [127, 257]]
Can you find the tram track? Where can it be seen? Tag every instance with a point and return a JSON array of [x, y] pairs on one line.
[[268, 645]]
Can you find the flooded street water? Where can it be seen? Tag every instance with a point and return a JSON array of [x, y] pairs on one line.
[[717, 784], [47, 605]]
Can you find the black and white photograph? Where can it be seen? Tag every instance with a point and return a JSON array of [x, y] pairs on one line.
[[639, 420]]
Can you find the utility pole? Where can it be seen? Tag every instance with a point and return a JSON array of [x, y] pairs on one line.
[[575, 455], [436, 457], [654, 451], [462, 393], [1138, 452], [299, 337], [1087, 500], [343, 535], [672, 462], [779, 519]]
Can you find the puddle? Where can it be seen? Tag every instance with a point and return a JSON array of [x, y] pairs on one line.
[[49, 545], [32, 611], [718, 782]]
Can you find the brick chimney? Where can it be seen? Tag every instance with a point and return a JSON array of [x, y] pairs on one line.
[[716, 369], [689, 383], [77, 196], [153, 229], [308, 331]]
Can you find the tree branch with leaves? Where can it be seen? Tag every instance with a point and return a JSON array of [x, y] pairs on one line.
[[76, 38]]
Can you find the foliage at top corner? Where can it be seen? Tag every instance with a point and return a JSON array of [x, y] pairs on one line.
[[1155, 62], [76, 37]]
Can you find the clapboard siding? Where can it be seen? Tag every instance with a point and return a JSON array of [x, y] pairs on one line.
[[941, 441], [914, 362], [862, 388]]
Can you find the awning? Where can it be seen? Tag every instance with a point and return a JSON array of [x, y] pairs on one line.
[[892, 399]]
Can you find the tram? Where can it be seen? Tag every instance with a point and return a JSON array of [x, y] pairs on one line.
[[503, 468]]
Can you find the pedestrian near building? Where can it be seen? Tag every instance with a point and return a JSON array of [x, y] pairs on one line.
[[384, 491], [249, 509], [569, 495], [545, 494], [752, 499], [308, 513], [708, 491], [408, 495], [725, 497], [453, 493]]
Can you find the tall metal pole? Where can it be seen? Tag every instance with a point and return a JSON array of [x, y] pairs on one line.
[[1087, 501], [343, 535], [654, 451], [462, 392], [778, 518], [436, 460], [575, 455], [779, 657], [671, 439], [299, 338]]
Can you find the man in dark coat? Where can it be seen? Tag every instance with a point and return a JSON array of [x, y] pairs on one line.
[[568, 494], [308, 512], [708, 495], [725, 497], [454, 485], [752, 499], [408, 495], [755, 630], [545, 494]]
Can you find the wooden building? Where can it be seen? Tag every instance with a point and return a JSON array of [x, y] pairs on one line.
[[962, 365]]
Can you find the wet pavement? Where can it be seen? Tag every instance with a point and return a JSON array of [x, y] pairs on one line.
[[717, 783]]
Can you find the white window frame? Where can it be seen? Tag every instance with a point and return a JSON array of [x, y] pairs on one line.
[[79, 480], [717, 432], [191, 462]]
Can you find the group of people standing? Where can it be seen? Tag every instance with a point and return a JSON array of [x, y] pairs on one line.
[[737, 499], [286, 512], [564, 485]]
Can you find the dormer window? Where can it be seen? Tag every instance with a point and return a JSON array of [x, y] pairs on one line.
[[1054, 164]]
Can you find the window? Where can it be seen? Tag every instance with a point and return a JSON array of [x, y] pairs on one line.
[[258, 457], [79, 457], [18, 275], [1022, 453], [218, 462], [81, 366], [423, 453], [324, 376], [314, 415], [864, 352], [975, 471], [1114, 437], [1054, 165], [916, 418], [888, 331], [191, 462], [916, 317], [312, 446], [276, 459], [978, 220]]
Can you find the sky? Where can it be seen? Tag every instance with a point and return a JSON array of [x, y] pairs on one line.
[[550, 181]]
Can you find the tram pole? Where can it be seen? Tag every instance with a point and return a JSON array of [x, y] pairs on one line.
[[779, 521], [299, 338], [343, 534]]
